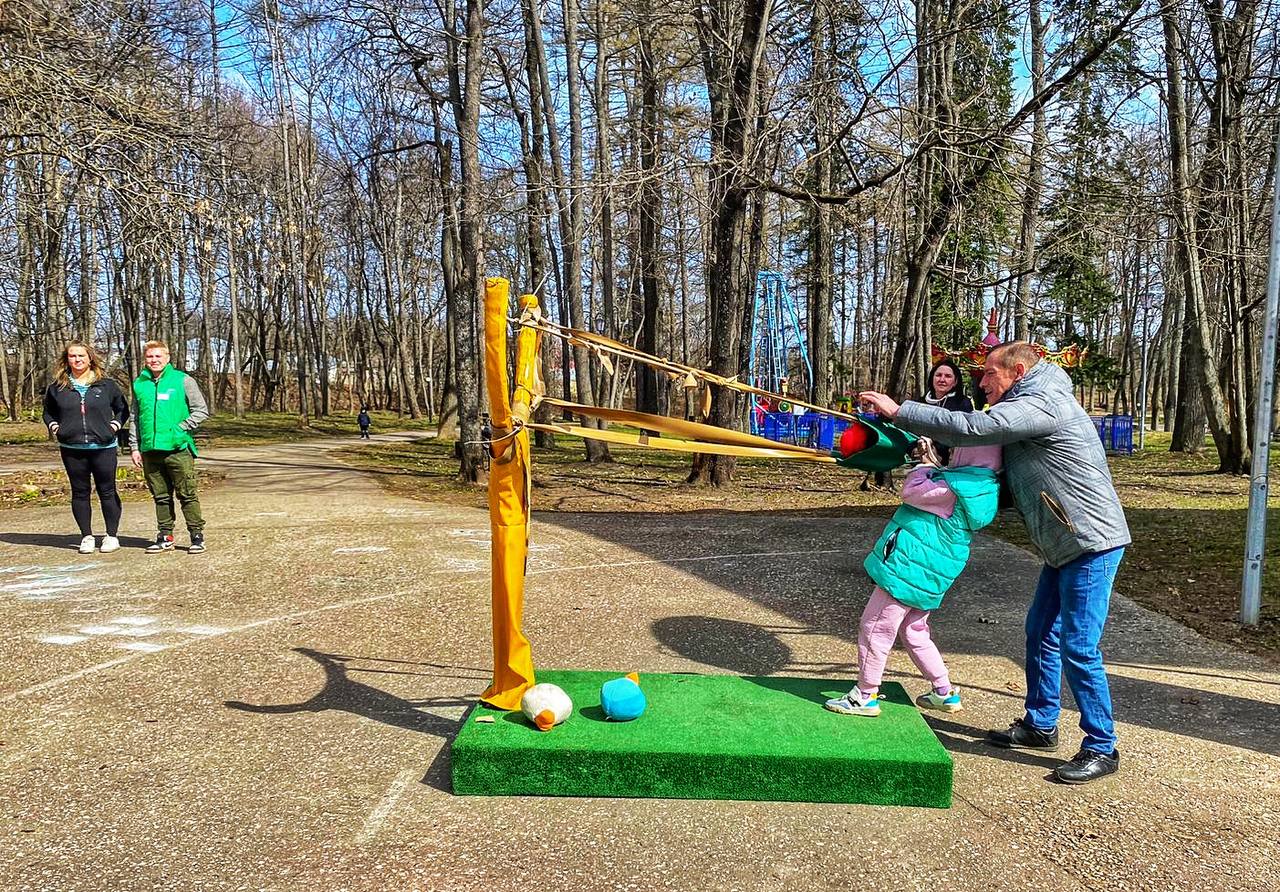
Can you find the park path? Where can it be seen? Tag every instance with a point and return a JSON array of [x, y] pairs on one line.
[[47, 460], [275, 713]]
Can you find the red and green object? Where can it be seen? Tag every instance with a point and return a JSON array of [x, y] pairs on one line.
[[870, 443]]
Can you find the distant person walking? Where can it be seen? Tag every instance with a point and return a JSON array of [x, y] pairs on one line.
[[364, 421], [85, 410], [168, 406], [1062, 487]]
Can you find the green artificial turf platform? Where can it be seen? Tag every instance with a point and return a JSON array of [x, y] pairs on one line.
[[709, 737]]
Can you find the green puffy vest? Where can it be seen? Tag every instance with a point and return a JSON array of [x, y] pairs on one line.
[[162, 405], [919, 555]]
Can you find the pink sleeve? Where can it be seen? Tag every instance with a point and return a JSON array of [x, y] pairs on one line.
[[927, 493]]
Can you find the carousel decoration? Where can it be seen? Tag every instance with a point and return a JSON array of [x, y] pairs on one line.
[[973, 359]]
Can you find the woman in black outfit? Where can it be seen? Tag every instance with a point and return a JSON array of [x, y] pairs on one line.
[[85, 410], [946, 389]]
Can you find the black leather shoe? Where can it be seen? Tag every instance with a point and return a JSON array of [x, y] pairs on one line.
[[1022, 736], [1088, 765]]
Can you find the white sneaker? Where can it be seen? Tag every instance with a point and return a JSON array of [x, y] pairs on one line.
[[88, 545], [853, 703], [944, 702], [110, 544]]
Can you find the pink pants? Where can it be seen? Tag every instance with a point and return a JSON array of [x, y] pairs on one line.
[[887, 618]]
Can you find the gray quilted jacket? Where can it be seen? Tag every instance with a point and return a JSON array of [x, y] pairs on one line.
[[1053, 460]]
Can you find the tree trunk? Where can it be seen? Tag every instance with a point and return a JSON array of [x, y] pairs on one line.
[[732, 37], [650, 212], [1198, 353], [1035, 183], [470, 296], [573, 235], [822, 40]]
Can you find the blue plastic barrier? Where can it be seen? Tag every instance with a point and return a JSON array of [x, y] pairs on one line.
[[1115, 431], [825, 431], [821, 431], [813, 429]]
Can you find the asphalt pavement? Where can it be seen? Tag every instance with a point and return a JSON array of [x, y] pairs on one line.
[[276, 712]]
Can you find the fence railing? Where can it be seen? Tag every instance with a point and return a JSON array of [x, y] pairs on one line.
[[1115, 431], [821, 431]]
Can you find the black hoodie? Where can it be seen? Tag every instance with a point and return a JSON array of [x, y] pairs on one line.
[[93, 420]]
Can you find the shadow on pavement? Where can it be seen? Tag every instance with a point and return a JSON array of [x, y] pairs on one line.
[[958, 738], [342, 693], [809, 569], [68, 541], [741, 648]]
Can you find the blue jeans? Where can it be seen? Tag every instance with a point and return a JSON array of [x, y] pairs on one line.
[[1064, 627]]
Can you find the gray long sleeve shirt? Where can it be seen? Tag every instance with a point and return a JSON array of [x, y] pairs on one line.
[[1053, 459]]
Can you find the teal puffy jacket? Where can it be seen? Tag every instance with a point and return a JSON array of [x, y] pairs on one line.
[[919, 554]]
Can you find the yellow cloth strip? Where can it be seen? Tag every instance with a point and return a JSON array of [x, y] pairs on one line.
[[600, 342], [678, 427], [509, 483], [496, 294], [623, 438]]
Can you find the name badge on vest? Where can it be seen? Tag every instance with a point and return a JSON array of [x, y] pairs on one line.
[[162, 396]]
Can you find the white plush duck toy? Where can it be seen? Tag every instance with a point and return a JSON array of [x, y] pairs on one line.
[[546, 705]]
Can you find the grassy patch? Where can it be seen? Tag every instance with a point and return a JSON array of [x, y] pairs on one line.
[[1188, 523], [38, 489], [768, 740], [22, 432]]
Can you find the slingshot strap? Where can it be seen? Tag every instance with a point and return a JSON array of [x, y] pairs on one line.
[[600, 345], [687, 430], [624, 438]]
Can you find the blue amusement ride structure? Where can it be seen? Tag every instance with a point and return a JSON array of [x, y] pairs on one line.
[[779, 362]]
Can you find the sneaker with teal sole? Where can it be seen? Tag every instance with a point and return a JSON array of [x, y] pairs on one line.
[[941, 702], [852, 703]]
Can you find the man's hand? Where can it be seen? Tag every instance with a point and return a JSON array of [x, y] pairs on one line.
[[883, 405], [137, 459]]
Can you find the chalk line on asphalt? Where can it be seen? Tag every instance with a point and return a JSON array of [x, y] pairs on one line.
[[358, 602], [382, 810]]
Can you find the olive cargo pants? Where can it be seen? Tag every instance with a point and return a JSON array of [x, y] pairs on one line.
[[169, 474]]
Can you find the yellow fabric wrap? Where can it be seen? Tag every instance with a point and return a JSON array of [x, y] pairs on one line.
[[687, 430], [624, 438], [509, 487], [600, 344]]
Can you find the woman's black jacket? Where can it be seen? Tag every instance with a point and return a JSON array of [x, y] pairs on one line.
[[87, 421], [953, 402]]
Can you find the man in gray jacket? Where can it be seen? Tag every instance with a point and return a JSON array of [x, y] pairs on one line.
[[1057, 469]]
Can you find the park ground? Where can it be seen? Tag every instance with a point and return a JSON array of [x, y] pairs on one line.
[[275, 713]]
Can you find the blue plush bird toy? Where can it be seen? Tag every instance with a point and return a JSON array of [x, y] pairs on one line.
[[622, 699]]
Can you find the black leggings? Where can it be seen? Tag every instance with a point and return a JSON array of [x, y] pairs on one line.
[[100, 465]]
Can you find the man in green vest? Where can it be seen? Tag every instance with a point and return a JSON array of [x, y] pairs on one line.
[[167, 407]]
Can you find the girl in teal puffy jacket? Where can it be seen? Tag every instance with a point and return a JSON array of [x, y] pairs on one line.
[[919, 555]]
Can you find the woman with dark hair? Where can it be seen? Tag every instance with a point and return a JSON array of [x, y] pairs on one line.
[[946, 390], [85, 410]]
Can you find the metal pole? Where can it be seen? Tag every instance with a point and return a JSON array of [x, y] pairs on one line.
[[1255, 533], [1142, 415]]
